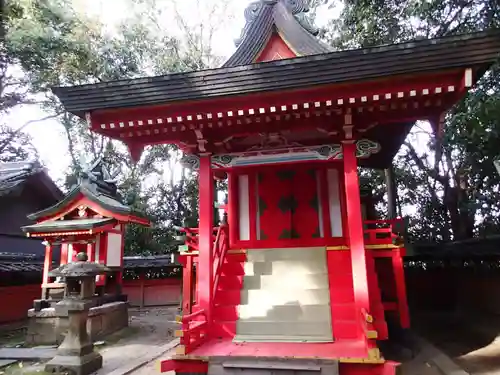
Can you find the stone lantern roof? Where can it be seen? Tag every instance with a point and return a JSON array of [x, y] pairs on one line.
[[80, 268]]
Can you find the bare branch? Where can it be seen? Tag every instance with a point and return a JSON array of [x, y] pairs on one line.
[[434, 173], [445, 27], [22, 127], [71, 144]]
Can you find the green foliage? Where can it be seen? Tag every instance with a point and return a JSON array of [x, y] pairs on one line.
[[373, 22], [449, 185], [18, 146], [48, 44]]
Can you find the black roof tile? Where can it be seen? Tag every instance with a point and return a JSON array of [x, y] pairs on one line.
[[95, 185], [67, 225], [465, 50], [14, 175], [284, 17]]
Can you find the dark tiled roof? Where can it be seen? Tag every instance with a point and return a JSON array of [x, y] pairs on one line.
[[155, 261], [96, 185], [20, 244], [67, 225], [470, 248], [21, 266], [459, 51], [288, 18], [10, 262], [13, 262], [14, 175]]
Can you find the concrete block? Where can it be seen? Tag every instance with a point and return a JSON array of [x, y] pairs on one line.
[[46, 328]]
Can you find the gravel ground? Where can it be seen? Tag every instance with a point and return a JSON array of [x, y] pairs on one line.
[[472, 342], [475, 350], [152, 327], [155, 322]]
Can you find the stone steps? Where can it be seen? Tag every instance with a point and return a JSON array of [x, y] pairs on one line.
[[280, 296], [275, 267], [271, 283], [285, 297], [298, 313], [303, 331], [288, 254]]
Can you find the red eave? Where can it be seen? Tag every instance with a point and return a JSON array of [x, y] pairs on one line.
[[63, 233], [137, 220], [81, 200], [179, 122]]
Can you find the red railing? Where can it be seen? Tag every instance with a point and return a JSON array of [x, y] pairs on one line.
[[221, 246], [194, 331], [191, 237], [384, 231], [195, 326], [369, 331]]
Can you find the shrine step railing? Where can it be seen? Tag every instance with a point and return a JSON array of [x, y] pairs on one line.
[[191, 240], [195, 325], [366, 321], [221, 246], [384, 232]]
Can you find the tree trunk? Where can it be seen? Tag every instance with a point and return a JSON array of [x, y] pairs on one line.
[[462, 224]]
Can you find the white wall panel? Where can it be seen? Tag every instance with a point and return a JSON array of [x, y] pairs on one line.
[[114, 250], [334, 202], [244, 208]]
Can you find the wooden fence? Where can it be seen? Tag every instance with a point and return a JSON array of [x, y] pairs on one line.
[[153, 292]]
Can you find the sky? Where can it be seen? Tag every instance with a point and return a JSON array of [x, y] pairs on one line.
[[49, 137]]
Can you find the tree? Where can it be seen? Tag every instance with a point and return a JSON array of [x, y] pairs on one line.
[[451, 184], [50, 44], [41, 44], [18, 146]]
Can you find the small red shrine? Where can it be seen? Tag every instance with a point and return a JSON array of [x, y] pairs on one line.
[[91, 218], [296, 273]]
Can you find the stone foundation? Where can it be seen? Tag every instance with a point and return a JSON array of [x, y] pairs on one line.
[[46, 328]]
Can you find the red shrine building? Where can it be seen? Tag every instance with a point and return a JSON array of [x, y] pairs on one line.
[[298, 277], [91, 218]]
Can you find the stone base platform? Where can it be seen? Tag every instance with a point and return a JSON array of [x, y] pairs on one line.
[[46, 328], [75, 365]]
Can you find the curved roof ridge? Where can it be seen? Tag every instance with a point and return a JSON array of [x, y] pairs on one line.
[[95, 184], [15, 174], [288, 18], [447, 52]]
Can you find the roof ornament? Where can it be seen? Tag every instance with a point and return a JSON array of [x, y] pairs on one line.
[[251, 13], [496, 163], [97, 177], [298, 8]]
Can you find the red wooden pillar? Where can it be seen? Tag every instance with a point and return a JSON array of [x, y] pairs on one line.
[[195, 282], [355, 227], [90, 256], [64, 254], [103, 248], [187, 286], [205, 232], [397, 266], [46, 268], [142, 278]]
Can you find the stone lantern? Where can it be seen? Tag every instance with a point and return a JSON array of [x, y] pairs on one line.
[[76, 353]]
